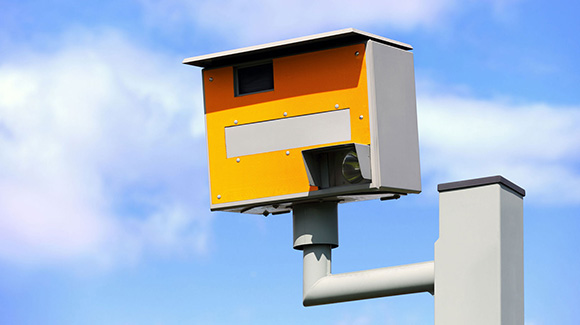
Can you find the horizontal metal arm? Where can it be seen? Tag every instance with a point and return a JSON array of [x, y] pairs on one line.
[[321, 287]]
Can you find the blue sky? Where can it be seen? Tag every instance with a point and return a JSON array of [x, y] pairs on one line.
[[104, 206]]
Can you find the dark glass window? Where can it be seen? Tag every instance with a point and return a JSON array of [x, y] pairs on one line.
[[254, 79]]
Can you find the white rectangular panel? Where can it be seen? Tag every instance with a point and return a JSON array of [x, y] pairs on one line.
[[393, 115], [288, 133]]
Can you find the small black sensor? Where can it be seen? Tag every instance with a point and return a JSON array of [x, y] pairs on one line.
[[253, 79]]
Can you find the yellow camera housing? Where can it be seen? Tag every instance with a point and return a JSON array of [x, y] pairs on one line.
[[281, 116]]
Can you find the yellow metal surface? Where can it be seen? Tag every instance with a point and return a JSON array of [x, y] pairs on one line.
[[303, 84]]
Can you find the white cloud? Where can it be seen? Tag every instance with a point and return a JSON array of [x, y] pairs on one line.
[[534, 145], [237, 23], [244, 22], [301, 17], [101, 148], [100, 153]]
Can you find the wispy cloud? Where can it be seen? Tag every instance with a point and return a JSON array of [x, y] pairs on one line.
[[103, 158], [100, 153], [534, 145], [261, 20]]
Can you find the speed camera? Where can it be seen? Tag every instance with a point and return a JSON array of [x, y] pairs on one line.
[[325, 117]]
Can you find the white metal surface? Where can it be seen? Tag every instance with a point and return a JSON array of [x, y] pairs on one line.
[[364, 157], [316, 264], [322, 287], [202, 60], [288, 133], [479, 256], [393, 114]]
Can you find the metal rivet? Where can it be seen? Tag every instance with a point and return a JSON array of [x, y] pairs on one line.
[[210, 78], [285, 113], [356, 53], [336, 106], [219, 196], [361, 117], [238, 160], [287, 153], [236, 122]]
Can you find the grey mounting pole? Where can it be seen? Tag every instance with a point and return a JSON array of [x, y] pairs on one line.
[[316, 233], [479, 256]]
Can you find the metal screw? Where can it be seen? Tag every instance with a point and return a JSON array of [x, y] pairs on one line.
[[219, 196], [210, 78], [285, 113], [356, 53], [236, 122], [287, 153], [238, 160], [336, 106], [361, 117]]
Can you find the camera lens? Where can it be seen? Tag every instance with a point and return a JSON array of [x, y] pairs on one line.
[[351, 168]]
